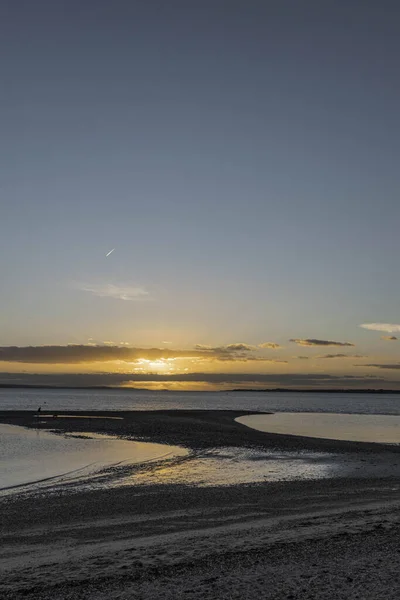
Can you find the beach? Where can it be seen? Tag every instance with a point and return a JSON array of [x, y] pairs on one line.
[[329, 538]]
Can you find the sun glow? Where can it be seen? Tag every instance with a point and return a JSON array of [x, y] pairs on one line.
[[162, 365]]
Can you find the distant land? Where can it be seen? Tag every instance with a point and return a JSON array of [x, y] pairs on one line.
[[247, 390], [320, 391], [33, 386]]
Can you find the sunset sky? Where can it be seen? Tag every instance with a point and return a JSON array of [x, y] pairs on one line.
[[241, 157]]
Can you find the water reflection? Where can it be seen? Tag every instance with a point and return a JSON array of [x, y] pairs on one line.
[[37, 456], [231, 466], [384, 429]]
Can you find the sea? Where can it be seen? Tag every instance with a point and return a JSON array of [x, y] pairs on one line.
[[128, 399], [34, 460]]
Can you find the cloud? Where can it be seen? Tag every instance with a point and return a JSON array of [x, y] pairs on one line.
[[118, 292], [238, 351], [377, 366], [389, 338], [87, 353], [389, 327], [255, 359], [93, 342], [105, 352], [238, 347], [314, 342], [341, 356], [269, 345], [249, 379], [301, 357]]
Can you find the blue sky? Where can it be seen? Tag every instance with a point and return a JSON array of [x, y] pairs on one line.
[[241, 157]]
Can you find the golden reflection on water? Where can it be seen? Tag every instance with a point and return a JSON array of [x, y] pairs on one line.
[[232, 466]]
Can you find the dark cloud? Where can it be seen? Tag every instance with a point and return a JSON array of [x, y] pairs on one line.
[[74, 354], [341, 356], [237, 347], [88, 353], [302, 357], [116, 379], [203, 347], [269, 346], [377, 366], [238, 351], [241, 358], [389, 338], [314, 342]]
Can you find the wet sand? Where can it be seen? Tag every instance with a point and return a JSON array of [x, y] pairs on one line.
[[334, 538]]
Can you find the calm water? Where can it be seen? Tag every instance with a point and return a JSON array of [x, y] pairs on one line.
[[146, 400], [383, 429], [36, 456]]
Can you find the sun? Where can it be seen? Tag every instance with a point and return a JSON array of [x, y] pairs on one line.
[[162, 365]]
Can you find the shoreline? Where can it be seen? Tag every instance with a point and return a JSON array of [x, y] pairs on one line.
[[273, 540], [193, 429]]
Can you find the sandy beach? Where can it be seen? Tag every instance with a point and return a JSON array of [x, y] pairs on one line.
[[332, 538]]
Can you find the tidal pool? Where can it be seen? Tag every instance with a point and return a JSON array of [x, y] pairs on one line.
[[36, 457], [383, 429]]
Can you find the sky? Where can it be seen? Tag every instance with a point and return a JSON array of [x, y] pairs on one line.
[[240, 158]]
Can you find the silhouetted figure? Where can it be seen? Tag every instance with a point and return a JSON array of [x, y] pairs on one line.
[[39, 409]]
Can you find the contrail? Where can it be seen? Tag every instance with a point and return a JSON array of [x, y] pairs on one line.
[[111, 251]]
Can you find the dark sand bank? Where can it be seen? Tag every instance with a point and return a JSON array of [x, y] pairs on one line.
[[329, 539], [195, 429]]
